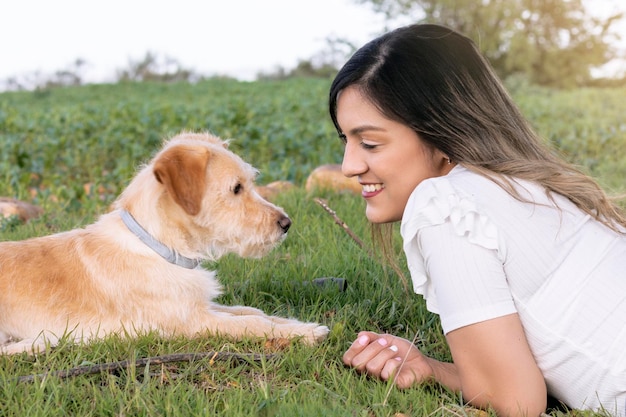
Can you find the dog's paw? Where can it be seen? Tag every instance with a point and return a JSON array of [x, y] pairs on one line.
[[316, 334], [321, 332]]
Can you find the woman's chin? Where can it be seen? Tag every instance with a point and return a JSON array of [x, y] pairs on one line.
[[386, 214], [374, 216]]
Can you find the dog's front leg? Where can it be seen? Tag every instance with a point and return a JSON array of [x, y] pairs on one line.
[[248, 311], [239, 321]]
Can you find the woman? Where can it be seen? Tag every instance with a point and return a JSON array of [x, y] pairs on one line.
[[521, 255]]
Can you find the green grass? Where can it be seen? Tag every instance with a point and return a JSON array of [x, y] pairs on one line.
[[55, 142]]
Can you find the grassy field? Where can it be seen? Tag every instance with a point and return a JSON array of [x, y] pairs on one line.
[[72, 151]]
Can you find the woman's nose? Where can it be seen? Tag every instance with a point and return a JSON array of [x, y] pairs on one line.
[[352, 164]]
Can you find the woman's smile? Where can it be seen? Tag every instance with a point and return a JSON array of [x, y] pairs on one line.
[[371, 190]]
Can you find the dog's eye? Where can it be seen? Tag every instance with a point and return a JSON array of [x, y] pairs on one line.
[[238, 188]]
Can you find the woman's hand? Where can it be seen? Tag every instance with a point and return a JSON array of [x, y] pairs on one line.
[[493, 365], [385, 356]]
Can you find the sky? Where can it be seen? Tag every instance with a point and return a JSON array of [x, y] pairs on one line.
[[233, 37], [239, 38]]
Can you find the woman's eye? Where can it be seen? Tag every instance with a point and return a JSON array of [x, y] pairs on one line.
[[238, 188], [367, 145]]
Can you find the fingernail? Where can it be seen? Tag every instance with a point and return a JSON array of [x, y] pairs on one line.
[[363, 340], [393, 348], [382, 342]]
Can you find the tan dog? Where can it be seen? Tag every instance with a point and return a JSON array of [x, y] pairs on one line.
[[137, 268]]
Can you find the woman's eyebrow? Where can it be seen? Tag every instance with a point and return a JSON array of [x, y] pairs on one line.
[[360, 129]]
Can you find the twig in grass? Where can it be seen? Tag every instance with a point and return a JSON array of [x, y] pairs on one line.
[[341, 223], [154, 360], [354, 237]]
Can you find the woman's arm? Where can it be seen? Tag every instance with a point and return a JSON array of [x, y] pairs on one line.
[[496, 367], [493, 365]]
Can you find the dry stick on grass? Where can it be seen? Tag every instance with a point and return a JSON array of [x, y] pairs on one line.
[[354, 237], [343, 225], [154, 360]]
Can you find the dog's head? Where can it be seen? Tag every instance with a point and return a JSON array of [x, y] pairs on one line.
[[206, 198]]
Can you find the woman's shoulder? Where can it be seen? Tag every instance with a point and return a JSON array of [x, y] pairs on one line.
[[462, 186], [477, 205], [456, 198]]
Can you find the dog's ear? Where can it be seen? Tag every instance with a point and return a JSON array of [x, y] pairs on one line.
[[182, 170]]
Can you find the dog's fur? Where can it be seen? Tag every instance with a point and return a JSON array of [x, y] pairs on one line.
[[196, 197]]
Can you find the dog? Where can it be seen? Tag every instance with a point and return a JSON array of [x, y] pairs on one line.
[[137, 268]]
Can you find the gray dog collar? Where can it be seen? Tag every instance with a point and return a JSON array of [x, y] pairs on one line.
[[170, 255]]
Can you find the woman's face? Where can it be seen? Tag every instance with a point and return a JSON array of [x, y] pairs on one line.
[[388, 157]]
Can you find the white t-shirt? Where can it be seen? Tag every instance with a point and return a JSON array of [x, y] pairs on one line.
[[476, 253]]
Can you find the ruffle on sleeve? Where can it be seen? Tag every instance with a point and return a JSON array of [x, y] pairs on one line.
[[435, 202]]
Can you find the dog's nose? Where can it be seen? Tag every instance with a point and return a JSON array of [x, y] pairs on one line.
[[284, 223]]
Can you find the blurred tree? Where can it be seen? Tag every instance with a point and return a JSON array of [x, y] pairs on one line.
[[155, 68], [552, 42], [323, 64]]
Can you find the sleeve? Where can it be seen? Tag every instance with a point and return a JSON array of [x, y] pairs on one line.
[[455, 257]]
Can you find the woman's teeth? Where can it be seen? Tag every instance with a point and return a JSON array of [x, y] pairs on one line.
[[370, 188]]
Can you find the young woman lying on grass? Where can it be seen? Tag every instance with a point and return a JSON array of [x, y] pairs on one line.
[[522, 256]]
